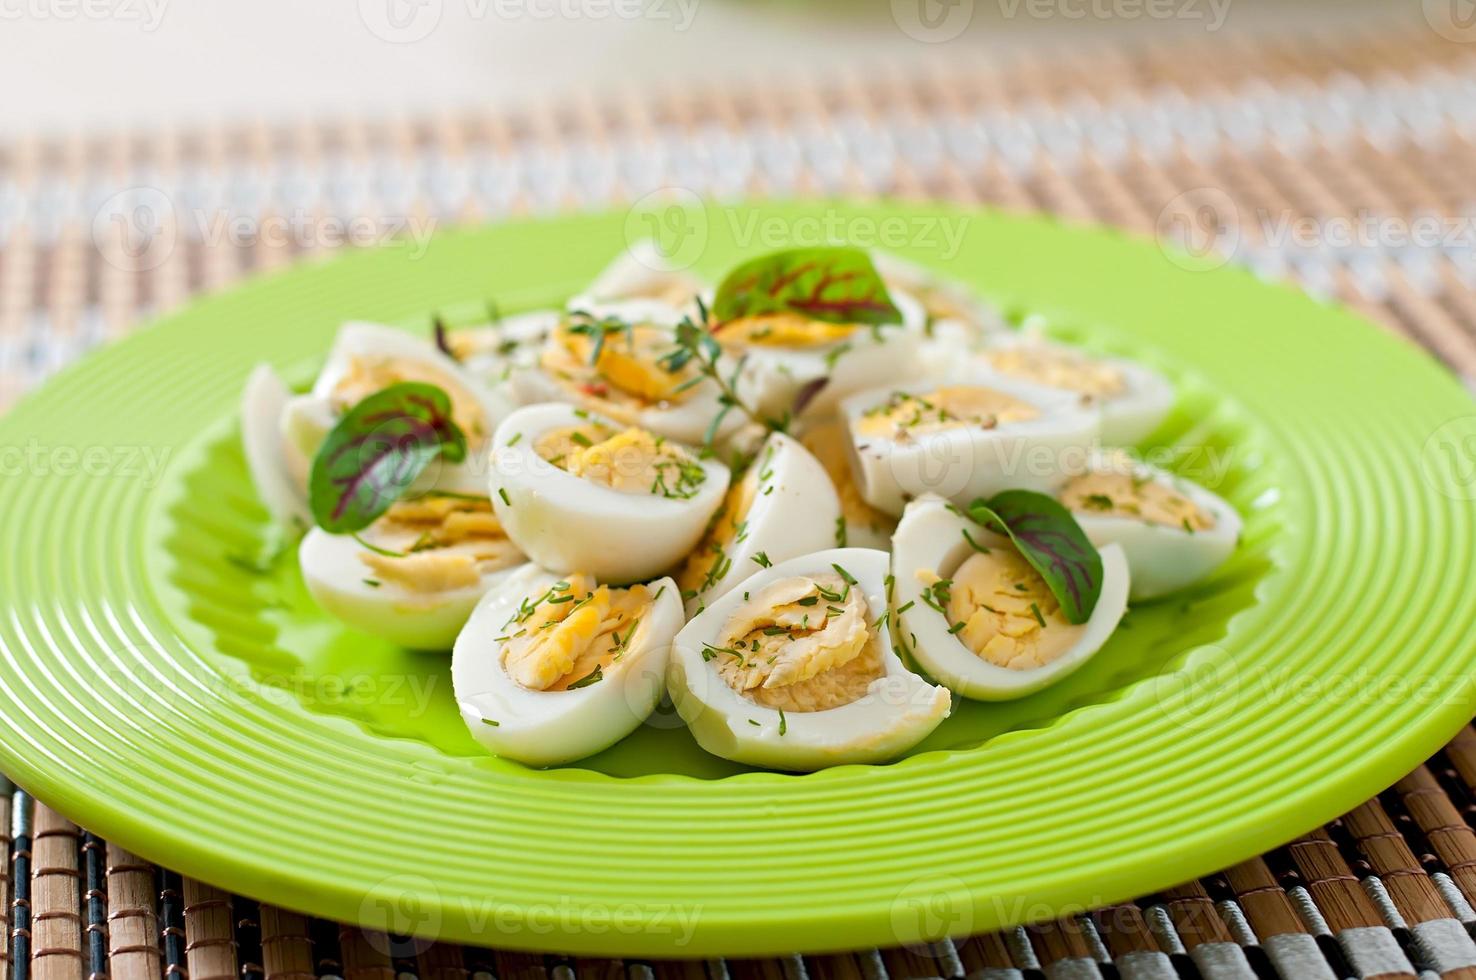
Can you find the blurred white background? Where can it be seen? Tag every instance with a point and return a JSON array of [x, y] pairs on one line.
[[75, 65]]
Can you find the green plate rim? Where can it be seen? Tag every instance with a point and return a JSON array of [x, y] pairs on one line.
[[802, 898]]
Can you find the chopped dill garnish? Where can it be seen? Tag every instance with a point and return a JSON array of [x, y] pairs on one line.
[[761, 560], [1035, 611], [502, 492]]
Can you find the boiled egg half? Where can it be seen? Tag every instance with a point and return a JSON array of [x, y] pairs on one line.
[[795, 669], [1133, 399], [1173, 531], [782, 506], [578, 491], [414, 575], [964, 439], [978, 617], [553, 668]]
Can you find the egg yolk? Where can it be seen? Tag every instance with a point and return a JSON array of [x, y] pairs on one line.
[[572, 633], [1000, 608], [955, 407], [1060, 369], [617, 364], [365, 375], [709, 561], [799, 644], [437, 543], [1117, 494], [782, 330], [631, 461], [829, 444]]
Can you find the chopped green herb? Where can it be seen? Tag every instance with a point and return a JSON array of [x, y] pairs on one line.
[[502, 492], [762, 560], [593, 677], [373, 583], [840, 532], [491, 721], [1035, 611], [783, 723]]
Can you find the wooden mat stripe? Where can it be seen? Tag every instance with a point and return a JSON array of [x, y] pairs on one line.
[[1347, 129]]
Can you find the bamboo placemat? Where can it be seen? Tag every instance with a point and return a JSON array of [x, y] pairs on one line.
[[1342, 163]]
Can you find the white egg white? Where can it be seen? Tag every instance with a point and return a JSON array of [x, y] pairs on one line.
[[566, 523], [1127, 417], [931, 538], [263, 401], [774, 376], [794, 512], [685, 420], [340, 583], [967, 462], [898, 710], [1163, 559], [546, 728]]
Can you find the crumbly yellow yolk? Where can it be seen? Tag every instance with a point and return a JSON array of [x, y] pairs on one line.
[[799, 644], [561, 636], [953, 407], [782, 330], [828, 442], [628, 371], [439, 543], [709, 561], [1060, 369], [1009, 616], [631, 461], [367, 374], [1125, 495]]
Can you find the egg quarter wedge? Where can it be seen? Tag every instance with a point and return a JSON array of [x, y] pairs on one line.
[[827, 689], [616, 501], [518, 694], [1026, 643], [783, 505], [1173, 531], [964, 439], [264, 399]]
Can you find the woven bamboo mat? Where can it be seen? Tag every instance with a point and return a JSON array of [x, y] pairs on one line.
[[1341, 163]]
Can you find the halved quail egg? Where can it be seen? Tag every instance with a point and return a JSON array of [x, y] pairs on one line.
[[1173, 531], [414, 575], [795, 669], [863, 525], [578, 491], [964, 440], [283, 492], [553, 668], [782, 506], [978, 617]]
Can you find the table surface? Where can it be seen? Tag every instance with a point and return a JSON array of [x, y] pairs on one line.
[[1342, 162]]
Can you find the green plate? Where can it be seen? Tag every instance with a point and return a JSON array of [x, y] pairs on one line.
[[161, 690]]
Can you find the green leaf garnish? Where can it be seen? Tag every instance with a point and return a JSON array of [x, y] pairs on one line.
[[1052, 542], [829, 283], [376, 451]]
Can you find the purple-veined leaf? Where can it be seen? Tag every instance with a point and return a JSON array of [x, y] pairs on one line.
[[375, 452], [1052, 542], [834, 284]]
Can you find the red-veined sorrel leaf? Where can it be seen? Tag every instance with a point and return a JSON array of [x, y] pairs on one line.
[[834, 284], [1052, 542], [377, 450]]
